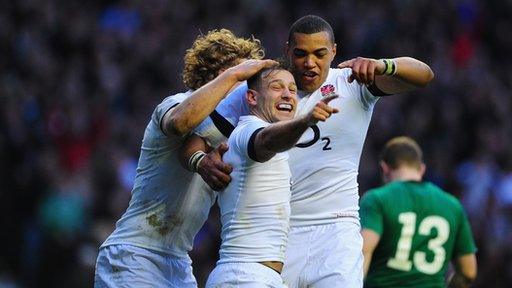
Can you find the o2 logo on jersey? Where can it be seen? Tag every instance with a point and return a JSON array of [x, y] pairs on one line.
[[316, 137], [326, 90]]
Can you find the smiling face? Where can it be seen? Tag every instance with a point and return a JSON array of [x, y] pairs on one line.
[[311, 56], [275, 96]]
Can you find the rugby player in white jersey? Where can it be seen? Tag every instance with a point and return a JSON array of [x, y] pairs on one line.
[[325, 244], [255, 206], [324, 215], [149, 247]]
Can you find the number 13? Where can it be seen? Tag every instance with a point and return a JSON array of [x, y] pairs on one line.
[[401, 259]]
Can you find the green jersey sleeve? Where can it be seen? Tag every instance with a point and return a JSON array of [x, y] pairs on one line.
[[464, 242], [371, 213]]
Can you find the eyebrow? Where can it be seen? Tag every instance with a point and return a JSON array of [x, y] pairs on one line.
[[316, 51], [280, 81]]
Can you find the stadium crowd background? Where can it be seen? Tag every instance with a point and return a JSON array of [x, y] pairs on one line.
[[79, 81]]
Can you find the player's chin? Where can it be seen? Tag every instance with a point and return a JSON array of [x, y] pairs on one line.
[[283, 115], [310, 86]]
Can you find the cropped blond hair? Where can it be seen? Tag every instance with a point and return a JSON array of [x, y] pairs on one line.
[[214, 52], [402, 151]]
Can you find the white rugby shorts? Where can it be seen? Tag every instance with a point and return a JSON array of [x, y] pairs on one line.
[[324, 256], [246, 275], [132, 266]]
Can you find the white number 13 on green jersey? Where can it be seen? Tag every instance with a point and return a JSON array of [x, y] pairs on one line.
[[401, 260]]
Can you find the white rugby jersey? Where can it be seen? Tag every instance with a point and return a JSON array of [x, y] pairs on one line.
[[255, 206], [325, 161], [169, 204]]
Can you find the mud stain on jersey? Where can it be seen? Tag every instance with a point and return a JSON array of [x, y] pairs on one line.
[[115, 269], [116, 272], [165, 225]]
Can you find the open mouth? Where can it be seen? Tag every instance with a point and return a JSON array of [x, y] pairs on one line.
[[287, 107], [309, 75]]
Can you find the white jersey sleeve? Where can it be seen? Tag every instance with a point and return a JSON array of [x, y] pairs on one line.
[[243, 140], [166, 105]]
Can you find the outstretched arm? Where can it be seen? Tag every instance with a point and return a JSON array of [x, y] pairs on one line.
[[281, 136], [188, 114], [408, 73]]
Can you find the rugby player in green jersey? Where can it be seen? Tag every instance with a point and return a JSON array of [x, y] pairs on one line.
[[413, 229]]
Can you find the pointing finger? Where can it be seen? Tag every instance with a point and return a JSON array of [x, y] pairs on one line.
[[346, 64], [329, 98]]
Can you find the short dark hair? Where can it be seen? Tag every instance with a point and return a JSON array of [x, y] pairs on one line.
[[254, 81], [310, 24], [402, 151]]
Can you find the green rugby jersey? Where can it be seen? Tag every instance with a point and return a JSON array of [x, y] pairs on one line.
[[421, 229]]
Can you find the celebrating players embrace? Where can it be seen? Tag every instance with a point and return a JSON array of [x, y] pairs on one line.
[[294, 212], [324, 243]]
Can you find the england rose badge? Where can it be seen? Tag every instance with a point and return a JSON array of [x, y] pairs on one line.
[[327, 90]]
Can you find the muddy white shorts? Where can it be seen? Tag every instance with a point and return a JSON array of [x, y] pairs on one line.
[[132, 266]]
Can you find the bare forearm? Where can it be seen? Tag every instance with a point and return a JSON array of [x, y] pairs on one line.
[[459, 281], [188, 114], [410, 74], [193, 110], [465, 271], [370, 241], [366, 263], [280, 136], [193, 144]]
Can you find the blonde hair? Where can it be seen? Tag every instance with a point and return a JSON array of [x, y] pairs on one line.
[[216, 51]]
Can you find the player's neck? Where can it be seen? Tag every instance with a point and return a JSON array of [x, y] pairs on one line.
[[405, 174], [260, 115]]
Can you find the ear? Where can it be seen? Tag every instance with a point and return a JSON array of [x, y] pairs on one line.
[[287, 48], [423, 169], [334, 49], [250, 97], [385, 168]]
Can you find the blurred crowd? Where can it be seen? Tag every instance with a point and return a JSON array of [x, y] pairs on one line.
[[79, 80]]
